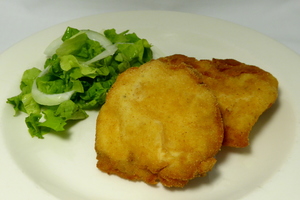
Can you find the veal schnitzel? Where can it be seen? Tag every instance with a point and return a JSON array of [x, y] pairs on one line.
[[243, 92], [160, 123]]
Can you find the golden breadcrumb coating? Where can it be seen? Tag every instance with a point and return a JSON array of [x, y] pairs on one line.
[[243, 92], [159, 124]]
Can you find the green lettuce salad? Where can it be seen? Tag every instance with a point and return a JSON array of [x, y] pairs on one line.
[[80, 68]]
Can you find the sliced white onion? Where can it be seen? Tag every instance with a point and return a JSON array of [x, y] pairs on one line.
[[51, 49], [93, 35], [48, 99], [110, 50]]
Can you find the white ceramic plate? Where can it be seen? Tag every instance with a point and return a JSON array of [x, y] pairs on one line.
[[64, 167]]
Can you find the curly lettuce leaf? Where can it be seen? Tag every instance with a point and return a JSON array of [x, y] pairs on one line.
[[67, 70], [55, 118], [24, 102]]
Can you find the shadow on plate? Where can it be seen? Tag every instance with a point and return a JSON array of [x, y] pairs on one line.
[[198, 182], [66, 134], [263, 120]]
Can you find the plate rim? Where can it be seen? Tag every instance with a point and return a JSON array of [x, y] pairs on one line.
[[41, 191]]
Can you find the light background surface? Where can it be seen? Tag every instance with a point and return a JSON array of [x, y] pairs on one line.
[[278, 19], [19, 19]]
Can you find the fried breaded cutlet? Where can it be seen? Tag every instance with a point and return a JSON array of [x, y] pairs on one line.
[[243, 92], [159, 124]]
